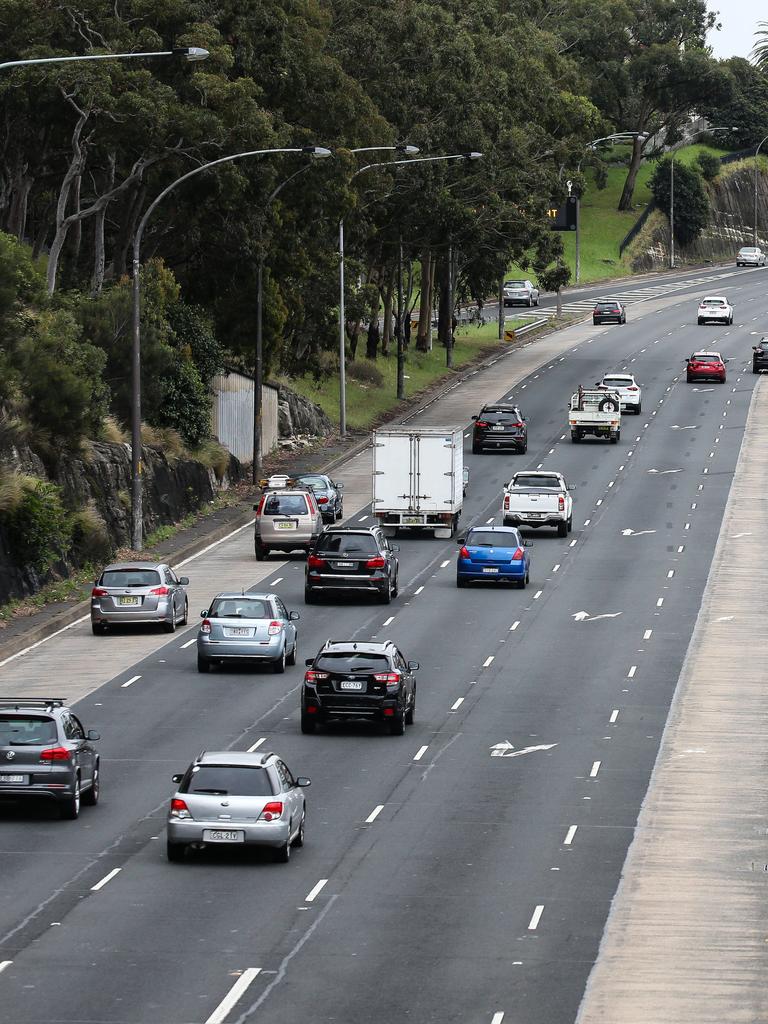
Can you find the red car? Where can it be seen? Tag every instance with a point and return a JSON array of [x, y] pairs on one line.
[[705, 366]]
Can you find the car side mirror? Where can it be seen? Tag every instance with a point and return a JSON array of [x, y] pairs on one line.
[[726, 360], [176, 778], [527, 543], [413, 666], [461, 540], [339, 486], [184, 581], [93, 735], [203, 613], [303, 781], [293, 616], [394, 547], [473, 417], [309, 662]]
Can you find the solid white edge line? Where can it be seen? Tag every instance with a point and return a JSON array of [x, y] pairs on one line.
[[216, 543], [569, 835], [533, 924], [594, 769], [457, 704], [237, 991], [488, 661], [256, 745], [374, 813], [420, 753], [614, 716], [315, 891], [105, 879], [189, 643], [132, 680], [4, 964]]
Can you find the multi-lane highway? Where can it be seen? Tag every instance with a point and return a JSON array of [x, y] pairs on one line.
[[463, 872]]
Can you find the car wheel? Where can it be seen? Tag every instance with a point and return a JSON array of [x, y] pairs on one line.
[[308, 723], [476, 449], [575, 436], [410, 714], [70, 806], [203, 664], [397, 724], [569, 524], [386, 595], [460, 582], [283, 853], [298, 841], [529, 303], [170, 627], [339, 513], [185, 620], [754, 370], [523, 582], [175, 851], [291, 659], [98, 628], [638, 408], [396, 588], [562, 529], [699, 321], [260, 551], [278, 665], [309, 597], [537, 301], [91, 796]]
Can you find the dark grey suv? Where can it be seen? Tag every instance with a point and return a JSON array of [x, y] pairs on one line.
[[46, 754]]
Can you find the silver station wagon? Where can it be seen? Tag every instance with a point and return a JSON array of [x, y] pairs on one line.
[[129, 593], [239, 627]]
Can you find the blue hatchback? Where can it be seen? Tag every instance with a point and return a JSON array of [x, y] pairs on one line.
[[493, 553]]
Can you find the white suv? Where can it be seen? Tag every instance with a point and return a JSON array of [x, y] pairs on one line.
[[715, 308], [750, 256], [629, 390]]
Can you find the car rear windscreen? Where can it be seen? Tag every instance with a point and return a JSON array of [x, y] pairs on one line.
[[240, 608], [316, 482], [32, 731], [229, 780], [706, 359], [536, 481], [130, 578], [352, 661], [616, 382], [490, 539], [607, 307], [499, 415], [347, 544], [285, 505], [712, 302], [515, 284]]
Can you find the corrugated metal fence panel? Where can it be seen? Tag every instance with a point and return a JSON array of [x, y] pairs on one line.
[[233, 414]]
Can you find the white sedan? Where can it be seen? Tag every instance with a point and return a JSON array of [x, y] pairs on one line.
[[715, 308], [750, 256], [629, 390]]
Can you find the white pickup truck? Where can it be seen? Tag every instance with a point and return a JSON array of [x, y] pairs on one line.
[[538, 499], [595, 411]]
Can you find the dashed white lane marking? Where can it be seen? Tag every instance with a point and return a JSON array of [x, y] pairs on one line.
[[594, 769], [278, 580], [631, 673], [620, 468], [693, 505], [706, 470], [189, 643], [497, 1018], [687, 526], [569, 835], [551, 451], [670, 574], [418, 591], [611, 483], [420, 753], [660, 602], [488, 661], [315, 891], [534, 922], [446, 562], [514, 626], [681, 549], [387, 622], [555, 567], [540, 465], [107, 878], [234, 995], [256, 745], [537, 595], [614, 716], [457, 704], [573, 544], [362, 519], [647, 634], [489, 521], [587, 522], [130, 681], [599, 502], [374, 814], [4, 964]]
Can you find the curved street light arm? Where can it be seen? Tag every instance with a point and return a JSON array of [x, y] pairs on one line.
[[186, 52]]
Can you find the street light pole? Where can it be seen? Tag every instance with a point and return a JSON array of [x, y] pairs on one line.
[[136, 463], [189, 53], [757, 170], [400, 324]]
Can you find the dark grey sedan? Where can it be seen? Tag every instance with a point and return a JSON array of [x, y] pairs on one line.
[[330, 498]]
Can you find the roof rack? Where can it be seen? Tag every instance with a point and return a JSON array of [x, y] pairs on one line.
[[38, 702], [265, 757]]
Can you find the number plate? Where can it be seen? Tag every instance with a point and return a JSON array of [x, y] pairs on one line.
[[351, 684], [128, 600], [490, 571], [221, 835], [344, 565], [500, 427], [534, 515], [286, 526], [13, 778], [411, 520], [238, 631]]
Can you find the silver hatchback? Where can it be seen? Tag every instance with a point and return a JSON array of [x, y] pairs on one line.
[[235, 798], [129, 593], [241, 627]]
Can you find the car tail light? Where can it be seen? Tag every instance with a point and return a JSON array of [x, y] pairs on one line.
[[560, 503], [518, 555], [160, 591], [275, 627], [480, 423], [506, 502], [379, 562], [312, 676], [179, 809], [312, 505], [632, 388], [390, 678], [464, 553], [517, 424], [272, 810], [322, 501], [55, 754], [99, 592], [389, 712], [261, 504], [205, 626], [313, 562]]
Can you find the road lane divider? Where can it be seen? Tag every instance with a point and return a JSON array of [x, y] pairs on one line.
[[256, 745], [614, 716], [488, 661], [234, 996], [5, 964], [189, 643], [514, 625], [533, 924], [130, 682], [631, 673], [374, 814], [107, 878], [457, 704], [569, 835], [420, 753], [315, 891], [594, 769]]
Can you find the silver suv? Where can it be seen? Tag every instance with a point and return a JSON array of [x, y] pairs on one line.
[[127, 593], [750, 256], [286, 519], [46, 754], [235, 798]]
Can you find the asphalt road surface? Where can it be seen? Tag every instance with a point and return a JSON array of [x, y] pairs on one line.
[[463, 872]]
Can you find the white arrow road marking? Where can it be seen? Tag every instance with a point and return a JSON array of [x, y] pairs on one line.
[[662, 472], [675, 426], [586, 617], [633, 533], [507, 749]]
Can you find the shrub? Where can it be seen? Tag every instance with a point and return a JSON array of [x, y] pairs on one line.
[[186, 403], [215, 456], [365, 372], [167, 439], [691, 202], [13, 487], [38, 527], [90, 538], [113, 432], [708, 165]]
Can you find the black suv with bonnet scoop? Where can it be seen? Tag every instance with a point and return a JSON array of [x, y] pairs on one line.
[[345, 560], [359, 680], [760, 356], [500, 426]]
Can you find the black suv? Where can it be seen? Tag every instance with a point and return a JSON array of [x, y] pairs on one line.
[[760, 356], [500, 426], [45, 753], [343, 560], [609, 311], [359, 680]]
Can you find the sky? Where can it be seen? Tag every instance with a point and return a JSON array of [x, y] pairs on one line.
[[739, 19]]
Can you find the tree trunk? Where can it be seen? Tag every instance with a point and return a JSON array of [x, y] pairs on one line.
[[62, 222], [118, 266], [17, 212], [97, 278], [77, 239], [424, 332], [353, 336], [559, 302], [387, 296], [625, 203], [372, 342], [444, 324]]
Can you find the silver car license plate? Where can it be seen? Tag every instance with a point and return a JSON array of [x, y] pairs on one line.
[[490, 571], [344, 565], [286, 525], [351, 684], [8, 779], [499, 427], [238, 631], [222, 835], [128, 600]]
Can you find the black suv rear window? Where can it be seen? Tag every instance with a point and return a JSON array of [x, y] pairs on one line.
[[228, 780], [130, 578], [353, 661], [26, 731], [347, 544], [500, 415], [607, 307]]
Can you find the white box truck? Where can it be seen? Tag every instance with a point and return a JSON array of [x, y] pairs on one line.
[[418, 478]]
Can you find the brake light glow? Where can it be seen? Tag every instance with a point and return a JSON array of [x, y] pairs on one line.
[[560, 503], [313, 562], [55, 754], [322, 501], [312, 676], [275, 627], [481, 423], [272, 810], [390, 678], [464, 553], [160, 591], [506, 502], [632, 388], [518, 555], [179, 809], [205, 626], [379, 562], [99, 592]]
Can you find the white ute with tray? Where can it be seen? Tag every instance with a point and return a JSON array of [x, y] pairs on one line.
[[418, 479], [596, 412], [534, 499]]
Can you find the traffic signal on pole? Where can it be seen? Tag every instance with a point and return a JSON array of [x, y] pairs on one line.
[[563, 218]]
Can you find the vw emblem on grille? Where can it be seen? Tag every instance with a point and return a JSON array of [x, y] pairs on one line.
[[10, 755]]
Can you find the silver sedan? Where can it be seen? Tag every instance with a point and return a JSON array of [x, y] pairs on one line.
[[129, 593], [245, 626]]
